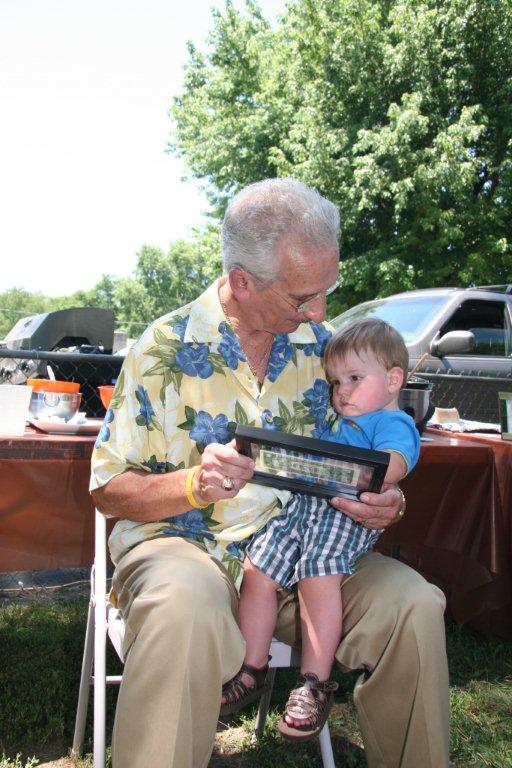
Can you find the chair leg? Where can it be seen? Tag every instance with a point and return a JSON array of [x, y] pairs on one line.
[[264, 704], [100, 644], [85, 685], [326, 747]]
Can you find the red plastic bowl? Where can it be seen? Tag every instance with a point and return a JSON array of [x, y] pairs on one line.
[[50, 385], [106, 392]]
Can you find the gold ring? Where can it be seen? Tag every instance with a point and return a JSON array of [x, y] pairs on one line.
[[228, 483]]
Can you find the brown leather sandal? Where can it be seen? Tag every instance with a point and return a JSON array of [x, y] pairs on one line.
[[238, 695], [306, 702]]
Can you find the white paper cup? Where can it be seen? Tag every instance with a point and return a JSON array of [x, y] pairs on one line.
[[14, 404]]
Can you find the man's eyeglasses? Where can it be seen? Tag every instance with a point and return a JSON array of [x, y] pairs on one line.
[[306, 306]]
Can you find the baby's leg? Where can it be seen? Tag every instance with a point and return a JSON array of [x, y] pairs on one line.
[[257, 611], [321, 622]]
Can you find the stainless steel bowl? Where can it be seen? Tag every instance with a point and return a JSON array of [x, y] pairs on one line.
[[46, 404]]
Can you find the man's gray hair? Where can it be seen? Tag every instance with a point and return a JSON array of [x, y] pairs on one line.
[[273, 210]]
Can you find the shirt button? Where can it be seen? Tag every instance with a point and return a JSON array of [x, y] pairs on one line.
[[269, 418]]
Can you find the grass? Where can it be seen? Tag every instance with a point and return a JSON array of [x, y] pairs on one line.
[[41, 648], [17, 762]]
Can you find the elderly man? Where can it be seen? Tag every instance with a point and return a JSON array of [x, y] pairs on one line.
[[247, 350]]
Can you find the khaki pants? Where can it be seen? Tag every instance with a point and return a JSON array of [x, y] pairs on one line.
[[182, 642]]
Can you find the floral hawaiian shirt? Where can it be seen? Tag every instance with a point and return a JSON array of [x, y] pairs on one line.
[[186, 383]]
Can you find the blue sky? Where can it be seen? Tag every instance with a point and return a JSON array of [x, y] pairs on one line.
[[85, 86]]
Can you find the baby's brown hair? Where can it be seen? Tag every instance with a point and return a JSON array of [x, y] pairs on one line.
[[369, 333]]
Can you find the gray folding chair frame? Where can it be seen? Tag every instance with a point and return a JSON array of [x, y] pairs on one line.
[[102, 620]]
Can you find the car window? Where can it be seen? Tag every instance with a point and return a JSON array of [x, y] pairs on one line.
[[408, 315], [488, 321]]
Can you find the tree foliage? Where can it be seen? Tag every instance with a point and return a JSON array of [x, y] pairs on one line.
[[161, 282], [166, 281], [399, 112], [17, 303]]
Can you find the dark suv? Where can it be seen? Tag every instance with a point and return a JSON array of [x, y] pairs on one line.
[[465, 335]]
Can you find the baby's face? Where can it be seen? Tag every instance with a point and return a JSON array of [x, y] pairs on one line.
[[361, 384]]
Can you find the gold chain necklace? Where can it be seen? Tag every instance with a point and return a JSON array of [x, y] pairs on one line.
[[260, 366]]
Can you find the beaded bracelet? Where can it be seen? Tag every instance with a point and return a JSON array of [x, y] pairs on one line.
[[189, 492]]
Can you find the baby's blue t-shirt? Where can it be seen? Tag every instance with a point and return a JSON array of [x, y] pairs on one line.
[[381, 430]]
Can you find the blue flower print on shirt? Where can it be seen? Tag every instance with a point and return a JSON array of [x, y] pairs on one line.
[[230, 347], [160, 467], [146, 412], [189, 525], [179, 326], [234, 549], [267, 420], [193, 360], [322, 337], [207, 429], [104, 433], [316, 399], [319, 428], [282, 352]]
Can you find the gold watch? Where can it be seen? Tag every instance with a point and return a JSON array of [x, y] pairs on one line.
[[402, 507]]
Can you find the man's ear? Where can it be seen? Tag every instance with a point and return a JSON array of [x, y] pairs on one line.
[[239, 283], [395, 379]]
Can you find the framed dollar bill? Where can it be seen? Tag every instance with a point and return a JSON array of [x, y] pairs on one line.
[[308, 465]]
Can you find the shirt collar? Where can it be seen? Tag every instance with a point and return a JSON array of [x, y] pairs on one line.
[[206, 315]]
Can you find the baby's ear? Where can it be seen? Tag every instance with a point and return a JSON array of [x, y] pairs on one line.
[[395, 379]]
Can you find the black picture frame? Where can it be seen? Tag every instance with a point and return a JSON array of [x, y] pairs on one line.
[[309, 465], [505, 401]]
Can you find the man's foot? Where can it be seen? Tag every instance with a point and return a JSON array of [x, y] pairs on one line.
[[244, 688], [307, 708]]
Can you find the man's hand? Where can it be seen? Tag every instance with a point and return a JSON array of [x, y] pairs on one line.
[[222, 464], [373, 510]]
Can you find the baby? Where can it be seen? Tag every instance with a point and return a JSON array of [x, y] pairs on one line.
[[312, 544]]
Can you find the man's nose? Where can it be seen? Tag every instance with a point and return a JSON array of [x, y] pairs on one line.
[[316, 311]]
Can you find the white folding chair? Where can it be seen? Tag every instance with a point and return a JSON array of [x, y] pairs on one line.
[[102, 620], [286, 656]]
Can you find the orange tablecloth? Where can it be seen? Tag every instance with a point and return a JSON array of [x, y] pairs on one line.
[[457, 530], [46, 512]]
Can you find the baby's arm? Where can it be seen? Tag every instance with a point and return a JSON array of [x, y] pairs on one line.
[[397, 468], [396, 433]]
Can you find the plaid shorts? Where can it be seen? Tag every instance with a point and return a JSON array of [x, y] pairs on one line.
[[309, 538]]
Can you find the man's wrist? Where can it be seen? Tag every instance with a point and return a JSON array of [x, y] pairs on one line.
[[195, 502], [402, 507]]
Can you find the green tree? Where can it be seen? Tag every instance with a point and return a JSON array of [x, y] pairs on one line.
[[133, 306], [401, 113], [103, 293], [17, 303], [166, 281], [161, 282], [233, 148]]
